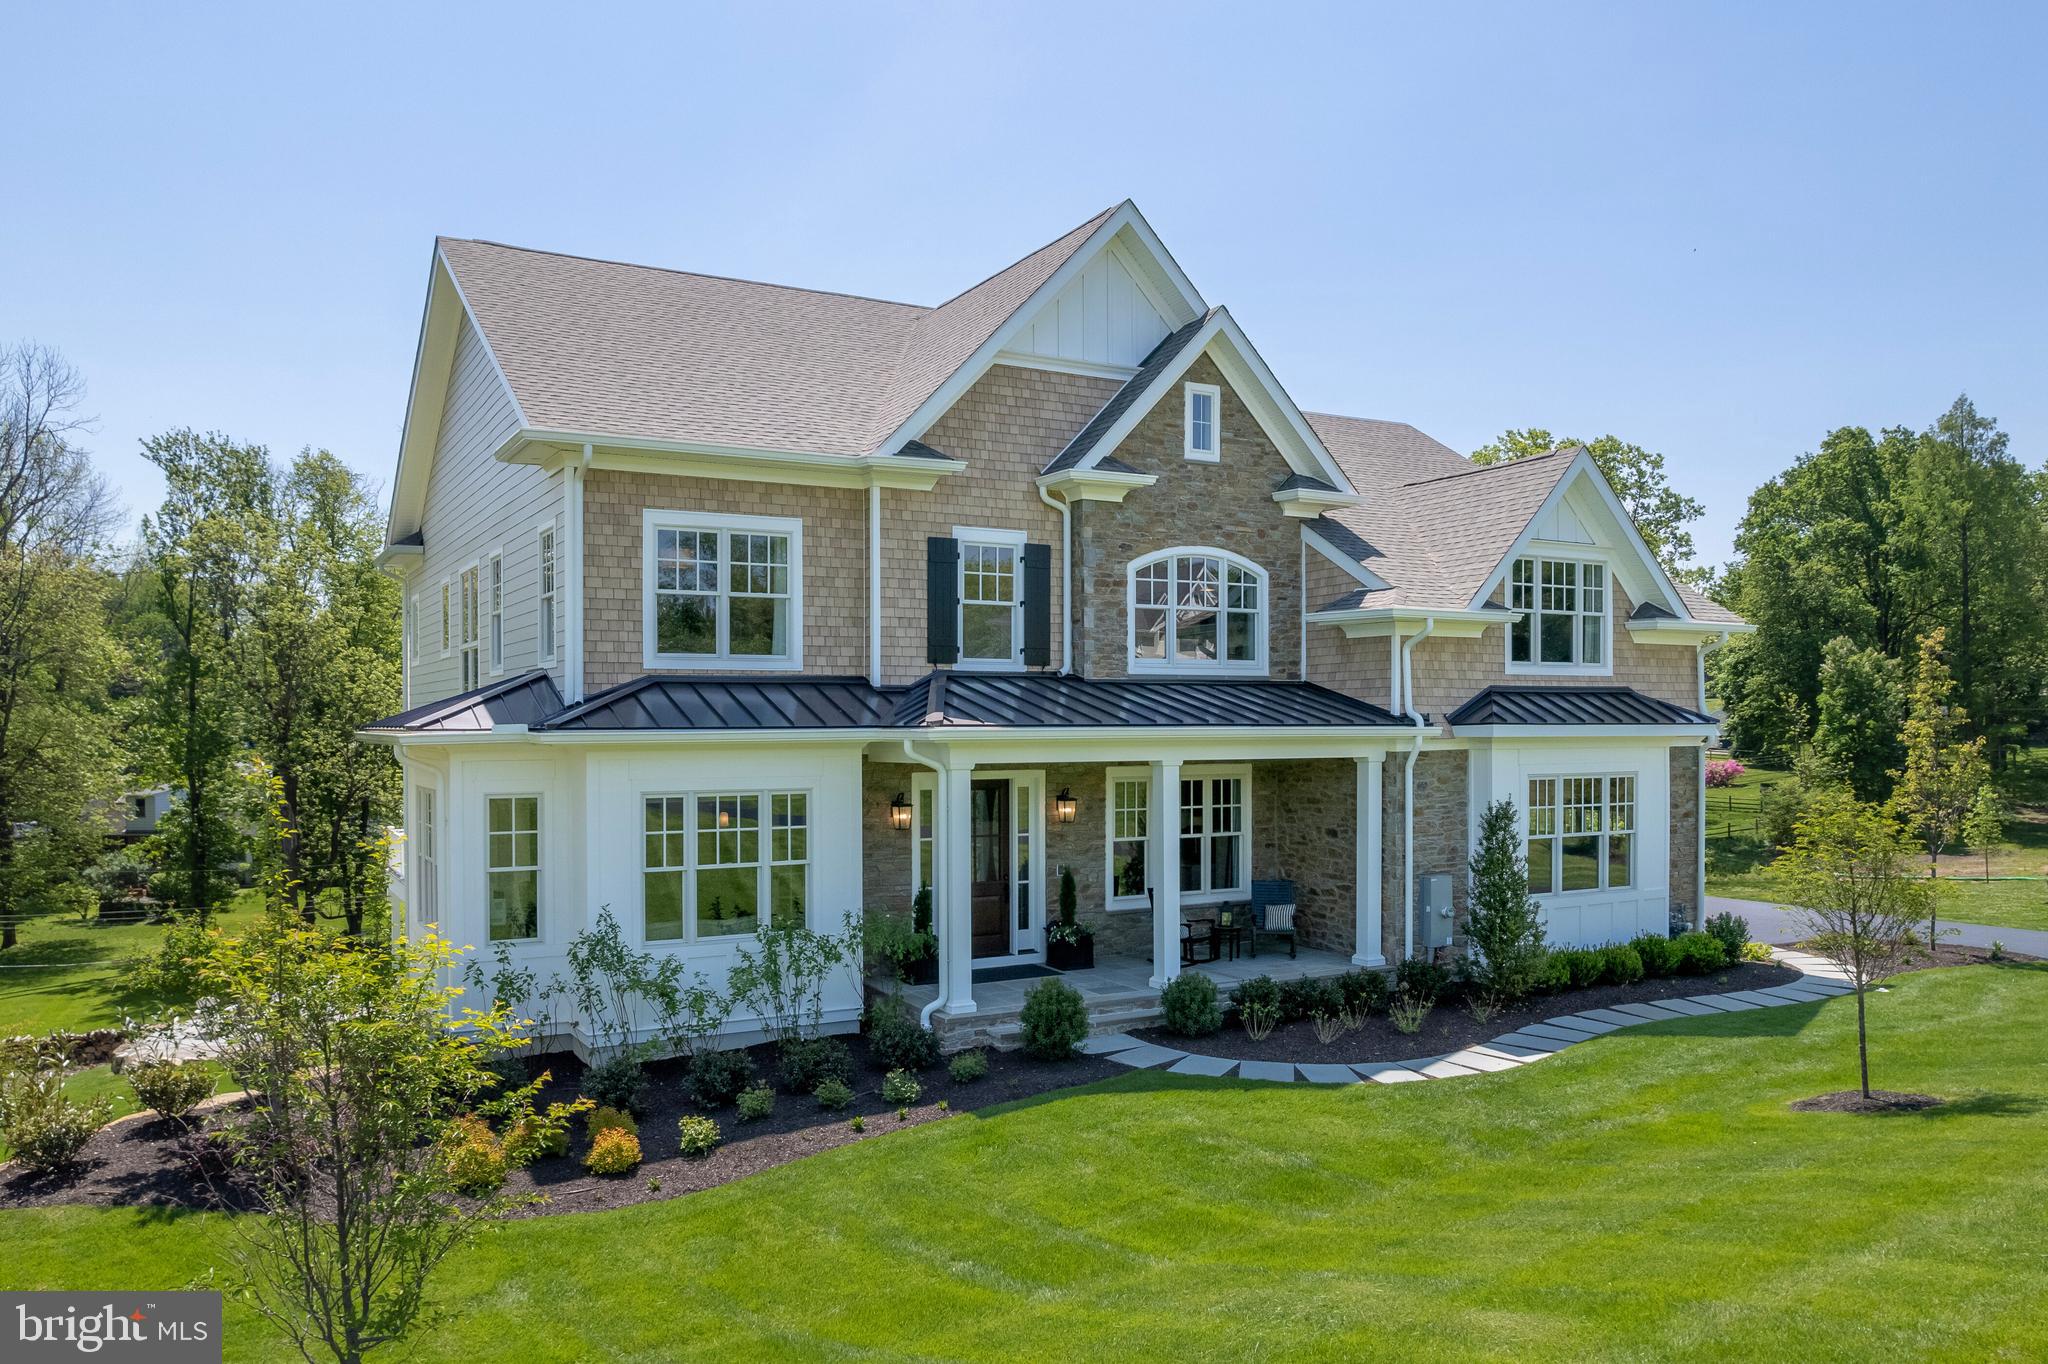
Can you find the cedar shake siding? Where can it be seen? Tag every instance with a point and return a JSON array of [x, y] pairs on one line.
[[1227, 504], [1006, 428]]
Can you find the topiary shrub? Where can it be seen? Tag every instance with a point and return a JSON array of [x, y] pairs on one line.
[[1420, 978], [1620, 964], [1731, 931], [833, 1095], [717, 1077], [697, 1135], [619, 1083], [614, 1151], [1054, 1021], [475, 1158], [1188, 1005], [968, 1067], [802, 1064], [1657, 955], [895, 1042], [1698, 953], [1364, 992], [901, 1088], [755, 1103], [169, 1089]]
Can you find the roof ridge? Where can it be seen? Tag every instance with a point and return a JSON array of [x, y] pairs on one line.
[[691, 274]]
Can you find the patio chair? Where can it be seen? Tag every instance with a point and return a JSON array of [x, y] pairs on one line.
[[1198, 946], [1272, 904]]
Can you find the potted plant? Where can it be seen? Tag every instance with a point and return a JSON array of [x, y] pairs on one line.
[[1069, 946], [919, 962]]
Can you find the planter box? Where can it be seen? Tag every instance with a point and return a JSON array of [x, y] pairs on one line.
[[1071, 956]]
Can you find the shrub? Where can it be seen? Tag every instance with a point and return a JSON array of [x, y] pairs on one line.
[[1583, 968], [46, 1127], [618, 1083], [1723, 772], [602, 1120], [1698, 953], [1420, 978], [1553, 973], [1364, 992], [1620, 964], [476, 1159], [1407, 1013], [1756, 951], [968, 1067], [533, 1136], [756, 1102], [717, 1077], [1054, 1021], [614, 1151], [170, 1089], [1505, 926], [1306, 998], [1189, 1006], [1731, 931], [803, 1064], [698, 1135], [895, 1042], [900, 1087], [1259, 990], [833, 1095], [1997, 949], [1658, 957]]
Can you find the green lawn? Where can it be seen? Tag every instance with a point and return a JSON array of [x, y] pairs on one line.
[[1738, 859], [1645, 1196]]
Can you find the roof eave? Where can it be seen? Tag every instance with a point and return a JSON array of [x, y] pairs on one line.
[[1308, 503], [1364, 622], [1575, 732], [1095, 485], [644, 454]]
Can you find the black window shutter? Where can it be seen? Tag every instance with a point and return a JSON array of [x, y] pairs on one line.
[[1037, 606], [942, 597]]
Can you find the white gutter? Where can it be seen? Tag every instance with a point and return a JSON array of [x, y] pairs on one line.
[[1699, 914], [1408, 788], [874, 584], [1066, 577], [939, 793]]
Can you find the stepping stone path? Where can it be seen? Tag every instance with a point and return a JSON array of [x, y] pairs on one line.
[[1818, 980]]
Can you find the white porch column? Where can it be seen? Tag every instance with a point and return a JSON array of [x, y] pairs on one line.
[[1366, 950], [1162, 817], [955, 909]]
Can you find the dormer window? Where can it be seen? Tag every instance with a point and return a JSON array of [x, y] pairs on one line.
[[1204, 419], [1197, 611], [1561, 615]]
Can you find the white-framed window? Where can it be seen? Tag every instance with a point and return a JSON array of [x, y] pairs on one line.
[[426, 890], [446, 632], [925, 814], [1582, 833], [548, 619], [991, 597], [722, 591], [707, 873], [497, 589], [1197, 611], [1561, 617], [1204, 422], [1215, 848], [513, 875], [472, 629], [1130, 793]]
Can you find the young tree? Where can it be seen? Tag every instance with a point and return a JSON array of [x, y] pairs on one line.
[[1505, 924], [1862, 705], [1944, 771], [1852, 888], [1661, 513], [1985, 824]]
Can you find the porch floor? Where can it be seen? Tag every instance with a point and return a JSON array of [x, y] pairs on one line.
[[1117, 990]]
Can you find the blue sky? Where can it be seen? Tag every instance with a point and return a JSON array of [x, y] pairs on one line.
[[1718, 231]]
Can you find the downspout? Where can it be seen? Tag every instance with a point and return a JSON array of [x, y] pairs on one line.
[[874, 584], [1066, 577], [939, 783], [1408, 786], [1699, 916]]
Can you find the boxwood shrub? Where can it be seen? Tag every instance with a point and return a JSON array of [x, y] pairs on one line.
[[1189, 1005], [1658, 956], [1054, 1021]]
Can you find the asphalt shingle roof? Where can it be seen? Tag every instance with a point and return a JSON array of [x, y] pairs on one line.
[[1088, 437]]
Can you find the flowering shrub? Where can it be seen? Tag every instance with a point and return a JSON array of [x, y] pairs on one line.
[[698, 1136], [170, 1089], [1724, 771], [900, 1087], [614, 1152], [476, 1159]]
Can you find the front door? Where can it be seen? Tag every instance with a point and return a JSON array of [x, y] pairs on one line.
[[990, 868]]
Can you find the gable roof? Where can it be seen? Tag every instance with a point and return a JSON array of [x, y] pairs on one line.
[[1157, 363]]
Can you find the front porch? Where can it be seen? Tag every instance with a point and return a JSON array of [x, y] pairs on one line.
[[1118, 991]]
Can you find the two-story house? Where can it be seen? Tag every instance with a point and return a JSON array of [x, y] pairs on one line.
[[730, 604]]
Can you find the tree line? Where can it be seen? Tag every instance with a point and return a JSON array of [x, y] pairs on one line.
[[239, 639]]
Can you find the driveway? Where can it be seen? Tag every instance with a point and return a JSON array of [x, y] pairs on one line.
[[1775, 924]]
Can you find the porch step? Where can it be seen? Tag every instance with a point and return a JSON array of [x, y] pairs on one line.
[[1005, 1032]]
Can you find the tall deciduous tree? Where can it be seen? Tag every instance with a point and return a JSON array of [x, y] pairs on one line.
[[1662, 514], [1862, 704], [1945, 769]]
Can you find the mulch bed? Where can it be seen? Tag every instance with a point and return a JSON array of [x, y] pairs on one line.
[[143, 1162], [1880, 1101], [1450, 1027]]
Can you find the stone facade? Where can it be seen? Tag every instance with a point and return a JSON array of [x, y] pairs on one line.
[[1225, 505], [1685, 833], [1443, 842]]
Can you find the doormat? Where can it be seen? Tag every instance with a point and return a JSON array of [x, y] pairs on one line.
[[1024, 972]]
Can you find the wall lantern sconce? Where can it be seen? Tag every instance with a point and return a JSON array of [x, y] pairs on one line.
[[1063, 806], [899, 812]]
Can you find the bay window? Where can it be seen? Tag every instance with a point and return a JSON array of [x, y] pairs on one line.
[[1560, 608], [722, 591], [1196, 611], [708, 872], [1581, 834]]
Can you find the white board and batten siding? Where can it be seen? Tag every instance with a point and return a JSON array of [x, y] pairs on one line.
[[1103, 317], [1502, 769], [477, 505]]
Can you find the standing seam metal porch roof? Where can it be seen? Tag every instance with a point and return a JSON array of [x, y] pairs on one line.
[[1565, 706]]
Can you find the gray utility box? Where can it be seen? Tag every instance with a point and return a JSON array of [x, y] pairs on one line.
[[1433, 912]]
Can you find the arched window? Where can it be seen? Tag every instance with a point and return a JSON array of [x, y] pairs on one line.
[[1197, 610]]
